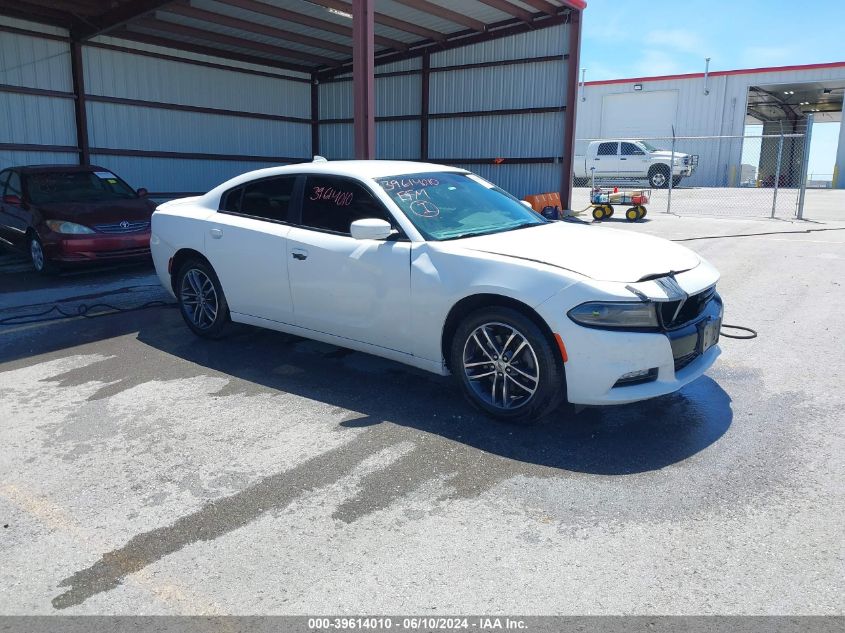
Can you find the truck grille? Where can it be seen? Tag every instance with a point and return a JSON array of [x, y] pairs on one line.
[[119, 228]]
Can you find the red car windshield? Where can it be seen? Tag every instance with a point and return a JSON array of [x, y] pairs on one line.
[[76, 186]]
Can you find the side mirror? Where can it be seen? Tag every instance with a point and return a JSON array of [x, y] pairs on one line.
[[12, 199], [527, 204], [142, 193], [370, 229]]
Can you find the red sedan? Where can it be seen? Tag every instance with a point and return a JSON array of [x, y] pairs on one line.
[[69, 214]]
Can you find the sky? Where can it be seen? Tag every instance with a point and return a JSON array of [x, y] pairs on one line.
[[636, 38], [642, 38]]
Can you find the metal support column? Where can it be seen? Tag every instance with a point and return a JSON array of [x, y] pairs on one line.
[[424, 105], [805, 165], [363, 69], [571, 106], [315, 115], [777, 173], [81, 116]]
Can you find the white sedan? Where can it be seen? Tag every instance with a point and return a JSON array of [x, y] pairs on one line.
[[438, 268]]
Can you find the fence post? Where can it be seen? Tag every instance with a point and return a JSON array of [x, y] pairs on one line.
[[671, 173], [805, 164], [777, 172]]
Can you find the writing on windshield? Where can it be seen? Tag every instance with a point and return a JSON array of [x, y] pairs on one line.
[[451, 205]]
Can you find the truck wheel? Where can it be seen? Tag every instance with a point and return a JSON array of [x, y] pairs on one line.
[[658, 176]]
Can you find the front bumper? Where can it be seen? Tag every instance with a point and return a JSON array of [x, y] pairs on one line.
[[598, 358], [69, 249]]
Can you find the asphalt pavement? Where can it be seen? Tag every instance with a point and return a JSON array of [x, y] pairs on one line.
[[145, 471]]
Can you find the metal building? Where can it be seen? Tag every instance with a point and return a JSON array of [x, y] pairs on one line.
[[719, 104], [179, 96]]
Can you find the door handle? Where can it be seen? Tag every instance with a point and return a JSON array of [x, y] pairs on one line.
[[623, 159], [216, 233], [300, 254]]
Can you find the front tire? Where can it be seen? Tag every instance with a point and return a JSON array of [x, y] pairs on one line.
[[507, 366], [658, 177], [201, 300], [39, 260]]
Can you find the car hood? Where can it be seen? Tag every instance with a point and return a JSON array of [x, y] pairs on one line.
[[597, 252], [667, 154], [105, 212]]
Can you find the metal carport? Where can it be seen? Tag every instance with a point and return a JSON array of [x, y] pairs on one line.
[[329, 43]]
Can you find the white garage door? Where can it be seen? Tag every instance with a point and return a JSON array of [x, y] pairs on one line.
[[639, 114]]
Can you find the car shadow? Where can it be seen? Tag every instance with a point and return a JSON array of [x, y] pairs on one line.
[[618, 440]]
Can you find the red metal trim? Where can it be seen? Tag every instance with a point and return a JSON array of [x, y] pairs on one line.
[[34, 147], [717, 73], [511, 9], [25, 90], [363, 84], [142, 153], [118, 17], [80, 114], [386, 20], [566, 165]]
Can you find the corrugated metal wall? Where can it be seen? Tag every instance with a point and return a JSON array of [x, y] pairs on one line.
[[537, 84], [32, 119], [136, 126]]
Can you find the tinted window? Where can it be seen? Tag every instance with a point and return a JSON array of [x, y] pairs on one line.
[[77, 186], [268, 199], [629, 149], [231, 200], [4, 175], [13, 186], [332, 204], [607, 149]]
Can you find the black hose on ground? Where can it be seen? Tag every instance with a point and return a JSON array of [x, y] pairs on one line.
[[82, 310]]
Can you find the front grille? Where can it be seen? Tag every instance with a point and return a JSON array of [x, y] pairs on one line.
[[691, 309], [119, 228], [123, 252]]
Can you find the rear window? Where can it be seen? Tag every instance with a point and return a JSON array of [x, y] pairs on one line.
[[76, 186]]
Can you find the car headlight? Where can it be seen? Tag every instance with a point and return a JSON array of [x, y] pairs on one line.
[[615, 314], [68, 228]]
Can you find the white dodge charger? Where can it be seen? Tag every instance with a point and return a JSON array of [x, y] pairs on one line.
[[438, 268]]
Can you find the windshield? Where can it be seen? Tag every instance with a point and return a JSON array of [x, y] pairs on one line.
[[76, 186], [649, 146], [449, 205]]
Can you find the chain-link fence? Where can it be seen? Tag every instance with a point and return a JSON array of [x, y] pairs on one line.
[[739, 176]]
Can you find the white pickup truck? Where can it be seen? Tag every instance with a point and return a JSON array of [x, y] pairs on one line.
[[632, 160]]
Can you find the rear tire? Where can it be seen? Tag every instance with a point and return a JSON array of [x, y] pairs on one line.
[[202, 303], [506, 366]]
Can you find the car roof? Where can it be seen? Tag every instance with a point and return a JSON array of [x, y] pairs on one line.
[[44, 169]]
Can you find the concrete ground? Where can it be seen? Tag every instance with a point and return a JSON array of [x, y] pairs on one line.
[[144, 471]]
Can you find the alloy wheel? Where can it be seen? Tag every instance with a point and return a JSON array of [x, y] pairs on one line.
[[199, 298], [501, 366], [37, 254]]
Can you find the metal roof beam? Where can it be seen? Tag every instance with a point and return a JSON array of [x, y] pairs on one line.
[[545, 7], [254, 27], [214, 37], [177, 44], [506, 7], [118, 17], [425, 6], [386, 20], [34, 13], [307, 20]]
